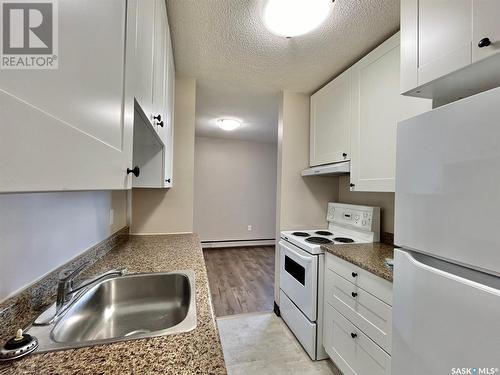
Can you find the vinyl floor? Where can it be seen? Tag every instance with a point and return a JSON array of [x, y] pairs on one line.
[[261, 344], [241, 279]]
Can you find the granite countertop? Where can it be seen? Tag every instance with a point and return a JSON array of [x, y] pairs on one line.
[[369, 256], [195, 352]]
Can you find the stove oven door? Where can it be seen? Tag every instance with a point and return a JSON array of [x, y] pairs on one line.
[[299, 278]]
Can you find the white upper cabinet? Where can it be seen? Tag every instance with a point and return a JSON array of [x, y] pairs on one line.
[[444, 46], [71, 128], [377, 108], [169, 119], [330, 122], [144, 56], [154, 96]]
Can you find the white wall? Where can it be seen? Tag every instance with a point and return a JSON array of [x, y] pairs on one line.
[[383, 200], [171, 210], [39, 232], [301, 201], [234, 186]]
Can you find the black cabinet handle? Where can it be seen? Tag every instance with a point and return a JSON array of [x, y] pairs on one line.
[[485, 42], [136, 171], [167, 180], [157, 118], [354, 294], [354, 274], [353, 335], [161, 123], [344, 155], [352, 185]]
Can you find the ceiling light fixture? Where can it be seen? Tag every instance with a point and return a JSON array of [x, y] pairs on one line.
[[290, 18], [228, 124]]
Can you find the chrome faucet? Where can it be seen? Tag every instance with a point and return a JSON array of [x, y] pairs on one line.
[[65, 287]]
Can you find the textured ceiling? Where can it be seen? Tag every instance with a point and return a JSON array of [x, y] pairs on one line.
[[241, 67]]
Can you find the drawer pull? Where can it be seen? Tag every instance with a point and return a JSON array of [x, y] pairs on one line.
[[354, 274], [353, 335], [354, 294]]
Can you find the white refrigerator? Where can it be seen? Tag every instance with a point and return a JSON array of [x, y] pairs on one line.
[[446, 312]]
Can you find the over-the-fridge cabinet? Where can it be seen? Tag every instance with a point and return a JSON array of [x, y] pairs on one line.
[[449, 48]]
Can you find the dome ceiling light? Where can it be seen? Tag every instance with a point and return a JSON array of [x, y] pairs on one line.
[[228, 124], [291, 18]]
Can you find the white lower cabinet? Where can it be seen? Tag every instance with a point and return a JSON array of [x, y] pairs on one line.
[[366, 311], [351, 350], [357, 319]]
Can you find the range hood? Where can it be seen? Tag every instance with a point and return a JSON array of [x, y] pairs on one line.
[[328, 170]]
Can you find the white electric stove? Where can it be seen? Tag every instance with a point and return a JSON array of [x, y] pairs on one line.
[[302, 268]]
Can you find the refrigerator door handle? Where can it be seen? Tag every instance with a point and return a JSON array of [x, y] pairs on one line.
[[455, 272]]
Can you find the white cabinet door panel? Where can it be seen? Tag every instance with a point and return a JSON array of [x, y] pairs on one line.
[[144, 47], [444, 37], [169, 121], [68, 129], [377, 108], [159, 67], [331, 122], [486, 16]]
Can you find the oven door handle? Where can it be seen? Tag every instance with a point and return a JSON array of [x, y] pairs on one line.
[[307, 259]]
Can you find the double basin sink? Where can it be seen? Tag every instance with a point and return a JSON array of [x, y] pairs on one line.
[[122, 308]]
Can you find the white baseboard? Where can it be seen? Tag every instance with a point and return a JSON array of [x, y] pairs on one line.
[[157, 234], [244, 243]]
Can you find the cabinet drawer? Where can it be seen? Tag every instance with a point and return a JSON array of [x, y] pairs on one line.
[[368, 313], [356, 355], [375, 285]]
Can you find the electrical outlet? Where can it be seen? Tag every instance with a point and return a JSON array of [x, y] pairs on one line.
[[249, 228], [111, 216]]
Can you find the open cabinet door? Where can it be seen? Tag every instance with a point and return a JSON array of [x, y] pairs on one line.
[[70, 128]]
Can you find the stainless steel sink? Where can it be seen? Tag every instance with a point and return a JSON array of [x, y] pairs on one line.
[[123, 308]]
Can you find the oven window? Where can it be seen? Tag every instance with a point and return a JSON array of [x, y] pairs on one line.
[[295, 270]]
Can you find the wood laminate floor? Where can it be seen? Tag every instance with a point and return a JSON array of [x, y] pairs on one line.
[[241, 279]]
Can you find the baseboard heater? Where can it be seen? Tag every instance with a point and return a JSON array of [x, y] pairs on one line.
[[237, 243]]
